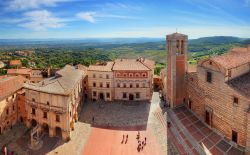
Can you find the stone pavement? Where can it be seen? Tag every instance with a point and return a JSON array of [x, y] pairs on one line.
[[10, 137], [130, 114], [121, 115], [192, 136]]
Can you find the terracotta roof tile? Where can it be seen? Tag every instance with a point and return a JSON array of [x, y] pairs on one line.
[[104, 68], [9, 85], [241, 84], [19, 71], [133, 64], [15, 63], [63, 83], [235, 58]]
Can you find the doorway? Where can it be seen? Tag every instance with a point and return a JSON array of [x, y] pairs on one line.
[[234, 136], [190, 104], [45, 127], [131, 97], [101, 96], [21, 119], [207, 118], [33, 123], [58, 132]]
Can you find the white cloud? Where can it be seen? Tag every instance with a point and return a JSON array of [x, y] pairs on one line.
[[31, 4], [87, 16], [40, 20], [93, 16]]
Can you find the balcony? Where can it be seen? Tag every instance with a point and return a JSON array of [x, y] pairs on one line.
[[46, 107]]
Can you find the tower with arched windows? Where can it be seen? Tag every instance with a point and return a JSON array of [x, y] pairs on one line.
[[176, 68]]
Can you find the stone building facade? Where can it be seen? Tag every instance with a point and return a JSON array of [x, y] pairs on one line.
[[218, 92], [10, 113], [100, 81], [133, 79], [122, 79], [53, 104]]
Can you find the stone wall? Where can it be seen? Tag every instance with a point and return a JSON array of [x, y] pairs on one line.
[[218, 96]]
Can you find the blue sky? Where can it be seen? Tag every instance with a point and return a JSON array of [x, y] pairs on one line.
[[123, 18]]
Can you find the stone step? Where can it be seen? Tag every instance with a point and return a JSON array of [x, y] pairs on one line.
[[179, 126]]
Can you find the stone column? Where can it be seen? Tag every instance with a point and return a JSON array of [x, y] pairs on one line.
[[52, 132]]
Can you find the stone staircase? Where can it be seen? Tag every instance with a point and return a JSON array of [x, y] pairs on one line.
[[176, 126]]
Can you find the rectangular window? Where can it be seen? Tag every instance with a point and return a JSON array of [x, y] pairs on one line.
[[100, 76], [107, 76], [209, 77], [236, 100], [13, 107], [124, 95], [33, 111], [137, 95], [93, 75], [229, 73], [7, 111], [118, 85], [94, 93], [101, 85], [107, 85], [137, 85], [234, 136], [131, 85], [57, 118], [33, 100], [124, 85], [108, 95], [94, 84], [45, 115]]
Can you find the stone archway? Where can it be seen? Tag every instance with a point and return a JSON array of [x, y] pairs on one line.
[[33, 122], [131, 97], [58, 132], [45, 127]]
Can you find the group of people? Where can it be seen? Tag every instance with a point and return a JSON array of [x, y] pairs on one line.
[[142, 143], [124, 139]]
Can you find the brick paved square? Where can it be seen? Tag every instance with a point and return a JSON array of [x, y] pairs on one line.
[[214, 137], [223, 145], [206, 143]]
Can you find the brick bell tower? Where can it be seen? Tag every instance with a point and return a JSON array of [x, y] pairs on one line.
[[176, 68]]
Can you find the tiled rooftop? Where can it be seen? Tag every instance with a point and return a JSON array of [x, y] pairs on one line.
[[235, 58], [9, 85], [241, 84], [63, 83], [133, 64], [107, 67]]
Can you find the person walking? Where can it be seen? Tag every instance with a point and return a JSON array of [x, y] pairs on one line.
[[122, 138]]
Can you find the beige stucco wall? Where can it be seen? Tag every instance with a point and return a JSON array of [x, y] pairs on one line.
[[100, 77], [10, 119], [66, 106]]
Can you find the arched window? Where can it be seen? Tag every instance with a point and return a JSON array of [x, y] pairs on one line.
[[118, 74], [130, 75], [182, 47], [124, 74], [137, 75]]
